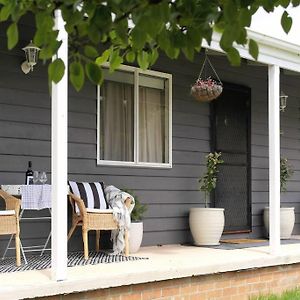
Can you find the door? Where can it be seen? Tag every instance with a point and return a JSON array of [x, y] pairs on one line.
[[231, 136]]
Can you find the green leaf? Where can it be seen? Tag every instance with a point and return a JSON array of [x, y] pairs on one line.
[[245, 17], [143, 59], [5, 12], [94, 73], [284, 3], [90, 51], [104, 57], [286, 22], [172, 52], [77, 75], [49, 50], [130, 56], [226, 40], [194, 38], [164, 40], [12, 36], [153, 56], [295, 2], [230, 10], [189, 53], [253, 49], [138, 38], [93, 33], [242, 39], [102, 17], [268, 5], [233, 56], [56, 70], [115, 60]]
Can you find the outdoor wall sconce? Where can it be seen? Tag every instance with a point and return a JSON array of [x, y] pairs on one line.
[[31, 54], [283, 98]]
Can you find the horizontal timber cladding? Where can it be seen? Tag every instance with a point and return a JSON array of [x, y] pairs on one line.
[[25, 134]]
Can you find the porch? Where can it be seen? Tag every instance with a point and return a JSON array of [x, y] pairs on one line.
[[170, 270], [169, 193]]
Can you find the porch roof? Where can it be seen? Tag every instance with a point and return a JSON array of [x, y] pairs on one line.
[[165, 262], [272, 51]]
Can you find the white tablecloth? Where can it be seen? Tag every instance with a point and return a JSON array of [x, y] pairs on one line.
[[36, 196]]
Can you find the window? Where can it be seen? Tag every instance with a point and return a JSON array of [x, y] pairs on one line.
[[134, 118]]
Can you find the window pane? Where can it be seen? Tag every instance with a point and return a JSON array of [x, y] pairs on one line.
[[116, 118], [153, 121]]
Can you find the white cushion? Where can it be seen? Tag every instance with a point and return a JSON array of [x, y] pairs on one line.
[[7, 212]]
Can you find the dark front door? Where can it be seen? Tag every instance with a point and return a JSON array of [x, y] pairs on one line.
[[231, 136]]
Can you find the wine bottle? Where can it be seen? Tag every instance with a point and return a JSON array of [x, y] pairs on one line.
[[29, 174]]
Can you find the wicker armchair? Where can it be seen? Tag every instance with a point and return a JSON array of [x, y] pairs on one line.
[[9, 220], [93, 220]]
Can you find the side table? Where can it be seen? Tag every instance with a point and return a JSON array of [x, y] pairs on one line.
[[34, 197]]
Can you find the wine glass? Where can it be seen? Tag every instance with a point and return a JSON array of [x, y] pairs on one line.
[[35, 178], [43, 177]]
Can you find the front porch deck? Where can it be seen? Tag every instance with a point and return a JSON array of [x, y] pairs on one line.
[[164, 263]]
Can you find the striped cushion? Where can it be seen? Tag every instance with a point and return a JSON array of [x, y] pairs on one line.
[[92, 194]]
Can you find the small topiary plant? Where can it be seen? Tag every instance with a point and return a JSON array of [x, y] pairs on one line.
[[208, 181], [286, 172]]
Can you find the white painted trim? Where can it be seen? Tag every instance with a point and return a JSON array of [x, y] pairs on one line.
[[274, 159], [170, 121], [136, 116], [59, 160], [113, 163], [98, 124], [136, 72], [272, 51]]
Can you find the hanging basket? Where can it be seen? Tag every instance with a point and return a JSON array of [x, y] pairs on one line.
[[207, 89]]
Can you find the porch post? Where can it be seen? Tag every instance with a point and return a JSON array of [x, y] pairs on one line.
[[274, 159], [59, 160]]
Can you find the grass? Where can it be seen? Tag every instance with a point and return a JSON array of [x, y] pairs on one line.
[[288, 295]]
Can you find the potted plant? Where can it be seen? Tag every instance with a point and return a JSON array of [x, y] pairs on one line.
[[287, 214], [206, 223], [136, 227]]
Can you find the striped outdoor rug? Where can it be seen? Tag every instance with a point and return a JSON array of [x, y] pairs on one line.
[[36, 262]]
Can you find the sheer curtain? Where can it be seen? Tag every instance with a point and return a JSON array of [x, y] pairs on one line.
[[117, 121], [152, 125]]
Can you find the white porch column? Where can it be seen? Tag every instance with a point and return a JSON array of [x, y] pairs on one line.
[[59, 161], [274, 159]]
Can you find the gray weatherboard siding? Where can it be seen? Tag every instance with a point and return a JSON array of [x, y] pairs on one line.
[[169, 193]]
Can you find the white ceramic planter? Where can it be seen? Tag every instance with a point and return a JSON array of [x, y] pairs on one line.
[[207, 225], [287, 221], [135, 236]]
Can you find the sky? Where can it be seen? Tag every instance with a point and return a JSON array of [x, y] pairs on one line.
[[269, 24]]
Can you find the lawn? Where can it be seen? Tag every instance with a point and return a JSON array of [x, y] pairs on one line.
[[288, 295]]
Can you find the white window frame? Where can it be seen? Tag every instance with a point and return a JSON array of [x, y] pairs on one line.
[[136, 72]]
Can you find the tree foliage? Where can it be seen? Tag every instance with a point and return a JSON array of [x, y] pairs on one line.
[[208, 181], [125, 31], [286, 172]]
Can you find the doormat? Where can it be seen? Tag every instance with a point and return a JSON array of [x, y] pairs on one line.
[[243, 241], [36, 262], [250, 244]]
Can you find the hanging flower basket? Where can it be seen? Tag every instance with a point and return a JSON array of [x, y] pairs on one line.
[[207, 89]]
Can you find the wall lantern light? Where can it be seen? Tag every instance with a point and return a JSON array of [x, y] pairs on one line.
[[283, 98], [31, 54]]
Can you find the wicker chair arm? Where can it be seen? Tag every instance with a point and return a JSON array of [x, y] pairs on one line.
[[11, 202], [76, 200]]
